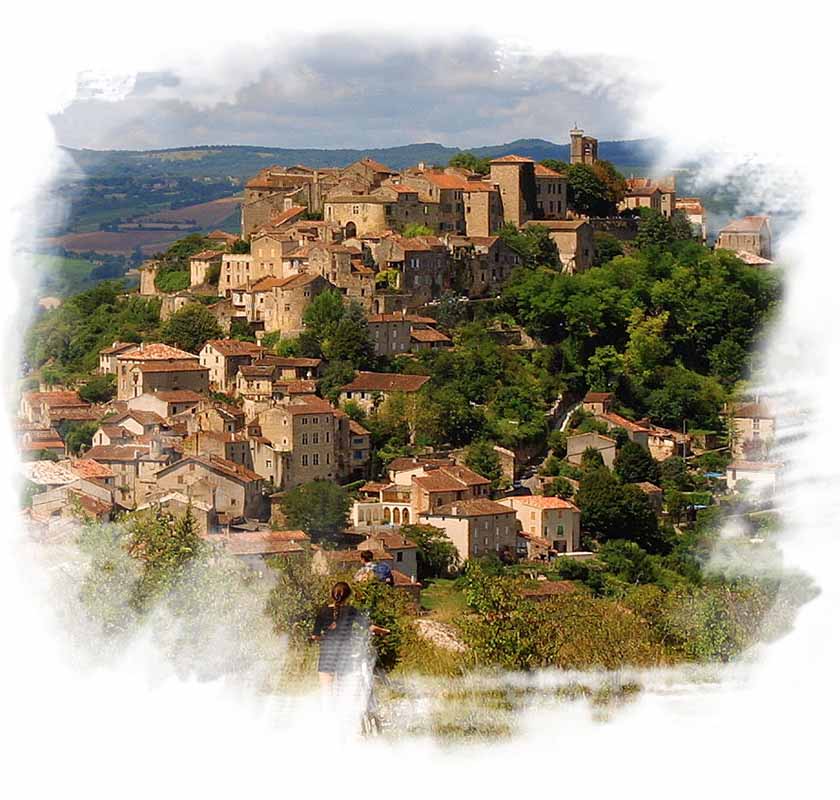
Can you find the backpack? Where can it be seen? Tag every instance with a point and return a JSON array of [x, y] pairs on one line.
[[383, 573]]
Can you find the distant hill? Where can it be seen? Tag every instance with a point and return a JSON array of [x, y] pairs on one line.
[[242, 161]]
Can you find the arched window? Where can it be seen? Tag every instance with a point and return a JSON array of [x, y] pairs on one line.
[[386, 516], [405, 516]]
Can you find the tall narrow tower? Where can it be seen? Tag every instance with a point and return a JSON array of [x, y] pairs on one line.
[[583, 149]]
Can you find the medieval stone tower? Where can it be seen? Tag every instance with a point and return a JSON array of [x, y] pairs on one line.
[[584, 149]]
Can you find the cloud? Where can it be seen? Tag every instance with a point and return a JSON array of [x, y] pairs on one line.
[[349, 91]]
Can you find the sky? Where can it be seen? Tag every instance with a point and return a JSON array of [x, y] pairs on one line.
[[342, 90]]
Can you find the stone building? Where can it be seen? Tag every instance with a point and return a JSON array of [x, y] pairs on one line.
[[421, 265], [167, 404], [516, 179], [552, 193], [438, 486], [134, 467], [583, 149], [278, 304], [750, 234], [224, 357], [575, 240], [201, 264], [550, 518], [389, 207], [108, 356], [642, 197], [232, 489], [300, 441], [158, 367], [482, 264], [344, 268], [148, 274], [237, 272], [578, 444], [392, 333], [368, 388], [641, 191], [476, 527], [752, 431]]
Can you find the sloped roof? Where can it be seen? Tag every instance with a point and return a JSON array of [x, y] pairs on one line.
[[235, 347], [471, 508], [751, 224], [156, 351]]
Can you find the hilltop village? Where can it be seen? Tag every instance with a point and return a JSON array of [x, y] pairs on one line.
[[523, 361]]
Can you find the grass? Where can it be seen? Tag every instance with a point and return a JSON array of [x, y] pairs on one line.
[[442, 599]]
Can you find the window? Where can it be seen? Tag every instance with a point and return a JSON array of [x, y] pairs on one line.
[[399, 555], [304, 460], [267, 464], [314, 438], [304, 420], [327, 437], [315, 459], [328, 458], [304, 438]]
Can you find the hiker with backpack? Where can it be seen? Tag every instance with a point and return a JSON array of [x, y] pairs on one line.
[[374, 570]]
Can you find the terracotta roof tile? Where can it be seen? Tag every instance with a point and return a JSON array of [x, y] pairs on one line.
[[385, 382]]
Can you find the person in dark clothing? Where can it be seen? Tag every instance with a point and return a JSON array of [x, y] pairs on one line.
[[342, 631]]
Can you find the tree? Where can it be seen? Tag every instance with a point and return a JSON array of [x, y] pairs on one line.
[[241, 246], [483, 459], [437, 556], [603, 371], [559, 487], [533, 244], [591, 459], [655, 230], [634, 464], [607, 248], [340, 332], [612, 511], [99, 389], [648, 347], [319, 507], [241, 330], [78, 435], [467, 160], [416, 229], [588, 193], [190, 327]]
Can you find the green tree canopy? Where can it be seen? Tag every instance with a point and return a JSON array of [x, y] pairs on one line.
[[483, 459], [437, 556], [319, 507], [634, 464], [467, 160], [191, 327]]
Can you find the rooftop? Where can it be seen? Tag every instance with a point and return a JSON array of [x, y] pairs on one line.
[[385, 382]]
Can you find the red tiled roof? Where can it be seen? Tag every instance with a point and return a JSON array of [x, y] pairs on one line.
[[176, 365], [542, 171], [597, 397], [89, 468], [217, 464], [385, 382], [55, 399], [375, 319], [621, 422], [403, 463], [512, 159], [156, 351], [116, 452], [471, 508], [178, 396], [297, 386], [746, 225], [310, 405], [286, 216], [282, 361], [358, 430], [543, 502], [117, 347], [234, 347], [755, 410], [428, 335]]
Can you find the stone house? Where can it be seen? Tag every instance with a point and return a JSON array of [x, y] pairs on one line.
[[278, 304], [695, 213], [597, 402], [344, 268], [232, 489], [750, 234], [385, 208], [134, 467], [40, 407], [578, 444], [424, 338], [422, 265], [166, 404], [300, 441], [637, 197], [550, 518], [436, 487], [108, 356], [637, 431], [653, 493], [483, 263], [367, 389], [392, 333], [476, 527], [175, 367], [752, 431], [575, 240], [148, 274], [516, 179], [237, 272], [762, 476], [176, 503], [223, 357], [359, 448], [402, 470], [201, 264], [552, 193], [35, 442]]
